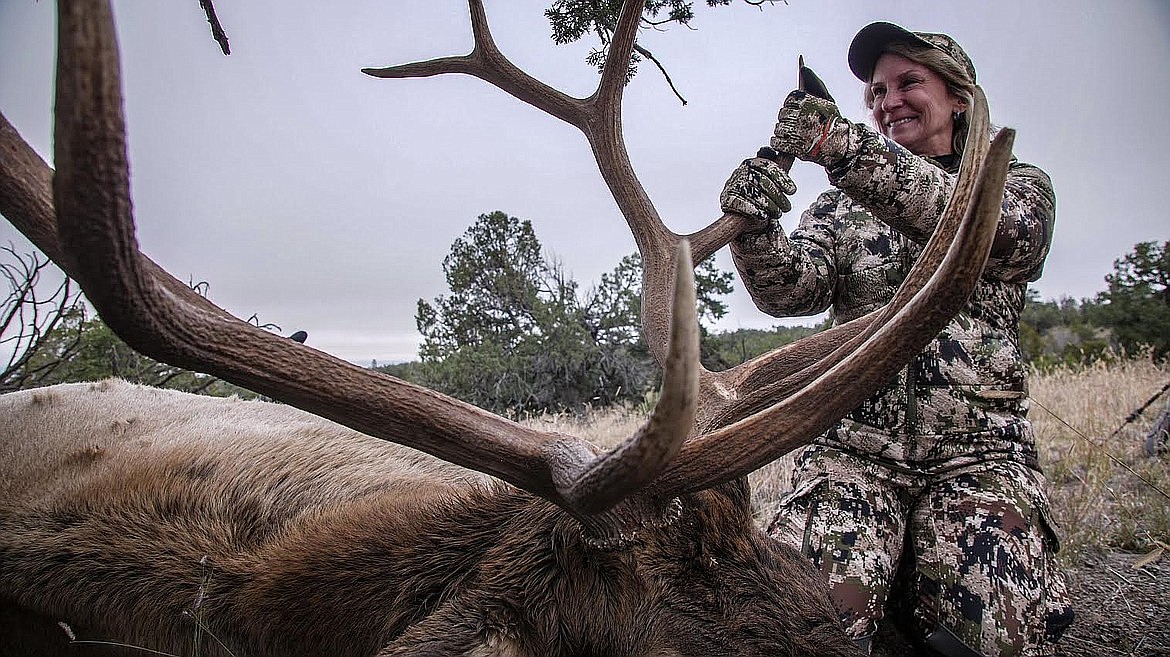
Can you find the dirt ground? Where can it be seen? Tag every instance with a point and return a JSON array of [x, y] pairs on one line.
[[1121, 611]]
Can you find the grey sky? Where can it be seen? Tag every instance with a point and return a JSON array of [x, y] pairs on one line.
[[325, 200]]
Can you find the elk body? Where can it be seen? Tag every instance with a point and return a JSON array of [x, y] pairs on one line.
[[137, 511], [198, 526]]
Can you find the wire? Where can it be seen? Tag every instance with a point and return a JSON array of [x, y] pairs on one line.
[[1102, 449]]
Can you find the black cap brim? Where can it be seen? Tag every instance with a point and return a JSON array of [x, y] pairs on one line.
[[871, 40]]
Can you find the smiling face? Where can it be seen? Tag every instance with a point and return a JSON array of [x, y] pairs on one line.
[[913, 106]]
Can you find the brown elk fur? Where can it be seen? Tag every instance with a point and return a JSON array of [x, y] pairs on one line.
[[126, 511]]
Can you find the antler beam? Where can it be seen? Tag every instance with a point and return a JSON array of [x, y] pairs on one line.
[[162, 318]]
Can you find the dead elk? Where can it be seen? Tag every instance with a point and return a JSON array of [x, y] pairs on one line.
[[164, 517]]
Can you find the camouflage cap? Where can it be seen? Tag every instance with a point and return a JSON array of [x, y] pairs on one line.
[[872, 39]]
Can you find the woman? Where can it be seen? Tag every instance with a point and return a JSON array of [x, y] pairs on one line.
[[926, 501]]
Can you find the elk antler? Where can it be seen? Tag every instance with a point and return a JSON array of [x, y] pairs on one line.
[[817, 380], [159, 316]]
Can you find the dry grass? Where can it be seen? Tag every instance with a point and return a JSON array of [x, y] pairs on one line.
[[1095, 470], [1098, 499]]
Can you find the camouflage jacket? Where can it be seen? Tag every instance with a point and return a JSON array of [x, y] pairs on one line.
[[850, 252]]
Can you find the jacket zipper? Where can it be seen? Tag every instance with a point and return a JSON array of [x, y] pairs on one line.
[[911, 369], [912, 397]]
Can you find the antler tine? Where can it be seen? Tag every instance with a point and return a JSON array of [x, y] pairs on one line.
[[617, 61], [598, 117], [26, 192], [706, 241], [487, 63], [641, 458], [656, 243], [97, 232], [146, 307], [748, 444]]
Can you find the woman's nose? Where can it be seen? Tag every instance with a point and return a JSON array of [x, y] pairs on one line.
[[890, 100]]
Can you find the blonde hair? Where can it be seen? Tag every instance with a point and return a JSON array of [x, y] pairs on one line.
[[953, 74]]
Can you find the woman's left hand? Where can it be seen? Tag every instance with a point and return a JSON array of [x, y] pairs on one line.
[[811, 129]]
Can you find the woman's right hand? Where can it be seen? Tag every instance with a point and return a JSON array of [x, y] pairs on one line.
[[759, 189]]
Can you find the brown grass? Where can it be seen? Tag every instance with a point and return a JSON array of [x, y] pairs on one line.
[[1095, 472], [1094, 459]]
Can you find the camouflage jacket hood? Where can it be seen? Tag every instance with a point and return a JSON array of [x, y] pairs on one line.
[[852, 249]]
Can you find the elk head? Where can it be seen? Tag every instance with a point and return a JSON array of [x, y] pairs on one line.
[[654, 533]]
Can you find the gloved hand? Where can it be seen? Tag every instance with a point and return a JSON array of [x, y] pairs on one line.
[[758, 188], [812, 129]]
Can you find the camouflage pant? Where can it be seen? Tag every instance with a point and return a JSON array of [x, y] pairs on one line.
[[968, 555]]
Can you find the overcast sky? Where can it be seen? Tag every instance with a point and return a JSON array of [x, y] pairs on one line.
[[325, 200]]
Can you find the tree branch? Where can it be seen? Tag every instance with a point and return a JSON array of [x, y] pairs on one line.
[[217, 32], [649, 55]]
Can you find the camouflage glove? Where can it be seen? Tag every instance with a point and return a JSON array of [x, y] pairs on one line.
[[812, 129], [758, 188]]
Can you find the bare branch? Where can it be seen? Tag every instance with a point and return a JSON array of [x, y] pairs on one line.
[[217, 32], [30, 318], [650, 56]]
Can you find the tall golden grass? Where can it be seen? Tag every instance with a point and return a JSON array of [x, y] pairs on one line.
[[1093, 458], [1105, 493]]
